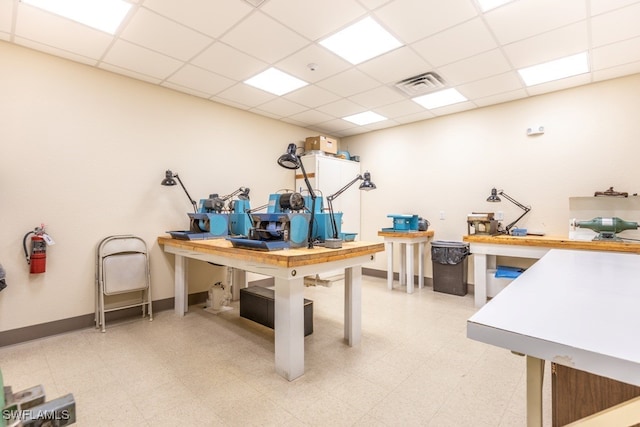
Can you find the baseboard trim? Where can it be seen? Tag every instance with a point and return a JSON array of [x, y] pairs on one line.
[[42, 330]]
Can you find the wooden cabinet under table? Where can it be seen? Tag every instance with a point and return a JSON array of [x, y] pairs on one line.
[[576, 394]]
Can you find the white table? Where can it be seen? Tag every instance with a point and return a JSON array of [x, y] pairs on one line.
[[406, 241], [574, 308], [288, 267], [486, 248]]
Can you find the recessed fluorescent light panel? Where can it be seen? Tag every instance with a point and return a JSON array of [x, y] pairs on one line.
[[555, 70], [486, 5], [440, 98], [276, 82], [361, 41], [103, 15], [365, 118]]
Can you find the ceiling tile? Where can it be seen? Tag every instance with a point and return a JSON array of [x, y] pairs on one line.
[[557, 85], [135, 58], [312, 117], [314, 19], [229, 62], [211, 17], [615, 26], [6, 15], [348, 83], [400, 109], [385, 68], [616, 54], [129, 73], [200, 80], [381, 95], [54, 51], [410, 118], [412, 20], [184, 89], [475, 68], [327, 64], [55, 31], [312, 96], [264, 38], [155, 32], [500, 98], [494, 85], [601, 6], [615, 72], [246, 95], [281, 107], [454, 108], [341, 108], [525, 18], [459, 42], [548, 46]]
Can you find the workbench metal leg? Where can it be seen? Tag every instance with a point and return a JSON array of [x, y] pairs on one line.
[[239, 281], [353, 305], [289, 327], [535, 375], [388, 247], [409, 247], [181, 286], [421, 247], [479, 279], [403, 264]]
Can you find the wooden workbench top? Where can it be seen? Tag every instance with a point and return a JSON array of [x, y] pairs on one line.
[[555, 242], [287, 258], [405, 234]]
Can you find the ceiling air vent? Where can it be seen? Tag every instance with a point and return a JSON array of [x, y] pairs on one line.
[[421, 84]]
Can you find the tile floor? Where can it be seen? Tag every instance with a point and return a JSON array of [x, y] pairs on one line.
[[414, 367]]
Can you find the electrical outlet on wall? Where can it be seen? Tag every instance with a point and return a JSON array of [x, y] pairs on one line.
[[500, 215], [442, 216]]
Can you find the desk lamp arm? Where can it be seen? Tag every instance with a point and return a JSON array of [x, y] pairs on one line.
[[331, 198], [526, 209]]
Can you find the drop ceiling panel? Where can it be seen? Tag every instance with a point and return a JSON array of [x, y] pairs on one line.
[[460, 42], [211, 17], [140, 60], [525, 18], [312, 96], [264, 38], [200, 80], [229, 62], [412, 20], [6, 15], [397, 65], [545, 47], [349, 83], [476, 68], [155, 32], [619, 25], [314, 19], [51, 30], [207, 48]]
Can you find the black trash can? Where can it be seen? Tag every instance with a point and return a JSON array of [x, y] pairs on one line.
[[449, 266]]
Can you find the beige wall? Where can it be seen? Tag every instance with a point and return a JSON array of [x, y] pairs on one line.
[[84, 151], [450, 164]]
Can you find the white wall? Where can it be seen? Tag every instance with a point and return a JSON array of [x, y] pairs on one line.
[[450, 164], [84, 151]]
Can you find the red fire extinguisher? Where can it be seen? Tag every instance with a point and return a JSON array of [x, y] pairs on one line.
[[37, 254]]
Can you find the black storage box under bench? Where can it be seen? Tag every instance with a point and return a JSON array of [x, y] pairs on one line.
[[257, 304]]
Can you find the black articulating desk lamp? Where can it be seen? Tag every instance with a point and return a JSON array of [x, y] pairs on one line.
[[336, 241], [291, 160], [169, 181], [494, 198]]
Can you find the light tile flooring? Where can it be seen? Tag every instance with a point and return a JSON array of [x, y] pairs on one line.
[[414, 367]]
